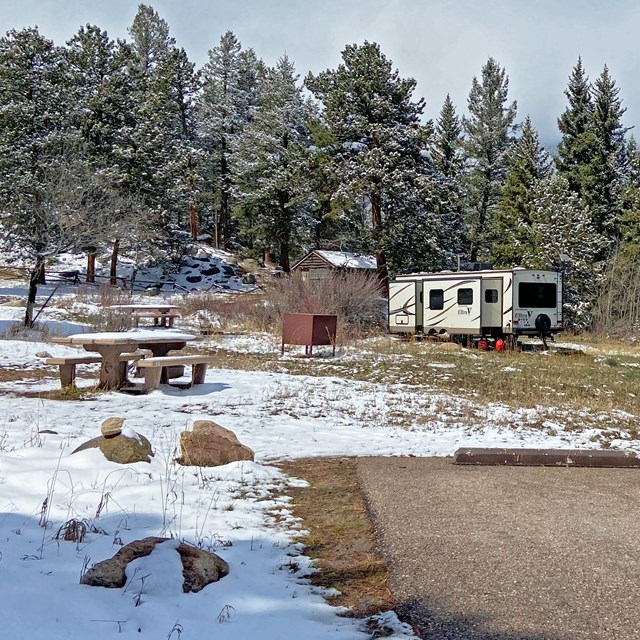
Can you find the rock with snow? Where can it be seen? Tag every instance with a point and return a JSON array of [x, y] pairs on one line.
[[210, 445], [126, 448], [112, 427], [199, 567], [43, 354]]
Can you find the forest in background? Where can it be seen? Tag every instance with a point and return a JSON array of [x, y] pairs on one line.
[[126, 145]]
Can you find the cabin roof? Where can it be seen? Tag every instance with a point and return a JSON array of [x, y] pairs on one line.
[[339, 260]]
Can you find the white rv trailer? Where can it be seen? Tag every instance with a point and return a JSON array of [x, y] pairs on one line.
[[465, 304]]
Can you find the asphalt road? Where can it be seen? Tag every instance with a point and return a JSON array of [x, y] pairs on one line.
[[509, 553]]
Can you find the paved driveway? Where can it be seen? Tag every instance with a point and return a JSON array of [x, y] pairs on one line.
[[509, 553]]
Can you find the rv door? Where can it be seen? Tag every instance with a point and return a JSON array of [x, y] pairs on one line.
[[491, 303]]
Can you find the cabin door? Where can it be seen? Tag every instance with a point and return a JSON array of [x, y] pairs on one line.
[[491, 305]]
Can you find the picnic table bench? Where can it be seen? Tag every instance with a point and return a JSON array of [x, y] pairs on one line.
[[67, 365], [153, 368]]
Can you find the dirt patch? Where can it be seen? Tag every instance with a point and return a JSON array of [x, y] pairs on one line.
[[340, 536]]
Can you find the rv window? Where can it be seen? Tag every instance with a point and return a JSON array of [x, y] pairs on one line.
[[436, 299], [491, 295], [537, 294], [465, 296]]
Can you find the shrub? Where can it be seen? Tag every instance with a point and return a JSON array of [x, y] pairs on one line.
[[617, 309], [354, 297]]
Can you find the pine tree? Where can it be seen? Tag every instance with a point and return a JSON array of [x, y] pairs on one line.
[[160, 151], [630, 196], [562, 225], [488, 130], [448, 168], [270, 164], [369, 110], [33, 110], [225, 108], [604, 195], [527, 164], [576, 150]]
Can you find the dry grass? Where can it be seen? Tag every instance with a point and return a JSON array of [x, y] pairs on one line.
[[340, 538]]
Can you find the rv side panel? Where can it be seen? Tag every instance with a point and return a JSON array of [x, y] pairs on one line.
[[451, 304]]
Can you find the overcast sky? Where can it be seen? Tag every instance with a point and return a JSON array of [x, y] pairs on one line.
[[441, 43]]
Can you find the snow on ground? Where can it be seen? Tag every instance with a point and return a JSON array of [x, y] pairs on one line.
[[236, 510], [240, 510]]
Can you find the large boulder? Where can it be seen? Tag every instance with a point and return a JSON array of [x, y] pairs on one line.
[[124, 448], [210, 445], [199, 567]]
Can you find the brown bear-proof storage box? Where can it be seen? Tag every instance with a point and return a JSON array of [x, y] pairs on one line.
[[309, 329]]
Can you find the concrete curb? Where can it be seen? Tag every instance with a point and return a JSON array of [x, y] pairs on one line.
[[546, 457]]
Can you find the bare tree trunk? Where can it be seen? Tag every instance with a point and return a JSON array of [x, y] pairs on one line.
[[376, 224], [113, 272], [35, 278], [91, 267]]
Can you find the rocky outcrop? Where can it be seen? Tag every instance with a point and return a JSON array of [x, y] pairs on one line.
[[210, 445], [199, 567]]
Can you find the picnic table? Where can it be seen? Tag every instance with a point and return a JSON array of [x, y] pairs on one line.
[[163, 315], [111, 346]]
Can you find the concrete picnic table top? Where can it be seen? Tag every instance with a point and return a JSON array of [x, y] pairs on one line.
[[127, 338]]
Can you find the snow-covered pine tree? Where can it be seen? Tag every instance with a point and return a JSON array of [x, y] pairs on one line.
[[448, 168], [527, 164], [489, 133], [380, 140], [630, 196], [33, 113], [226, 106], [270, 164], [562, 225], [160, 150]]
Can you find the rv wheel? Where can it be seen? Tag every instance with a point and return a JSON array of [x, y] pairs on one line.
[[543, 323]]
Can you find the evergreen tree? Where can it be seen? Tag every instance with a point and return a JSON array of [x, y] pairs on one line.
[[562, 225], [448, 169], [33, 112], [160, 150], [576, 150], [488, 130], [369, 110], [630, 196], [225, 108], [527, 164], [604, 196], [270, 164]]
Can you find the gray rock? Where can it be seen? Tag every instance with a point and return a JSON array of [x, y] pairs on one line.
[[210, 445], [199, 567], [121, 448], [43, 354]]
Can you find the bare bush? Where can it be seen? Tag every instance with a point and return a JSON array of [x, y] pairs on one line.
[[617, 310], [354, 298]]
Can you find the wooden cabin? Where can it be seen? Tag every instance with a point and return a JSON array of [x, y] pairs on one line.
[[319, 264]]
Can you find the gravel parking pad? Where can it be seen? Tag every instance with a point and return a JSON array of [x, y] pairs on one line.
[[506, 553]]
